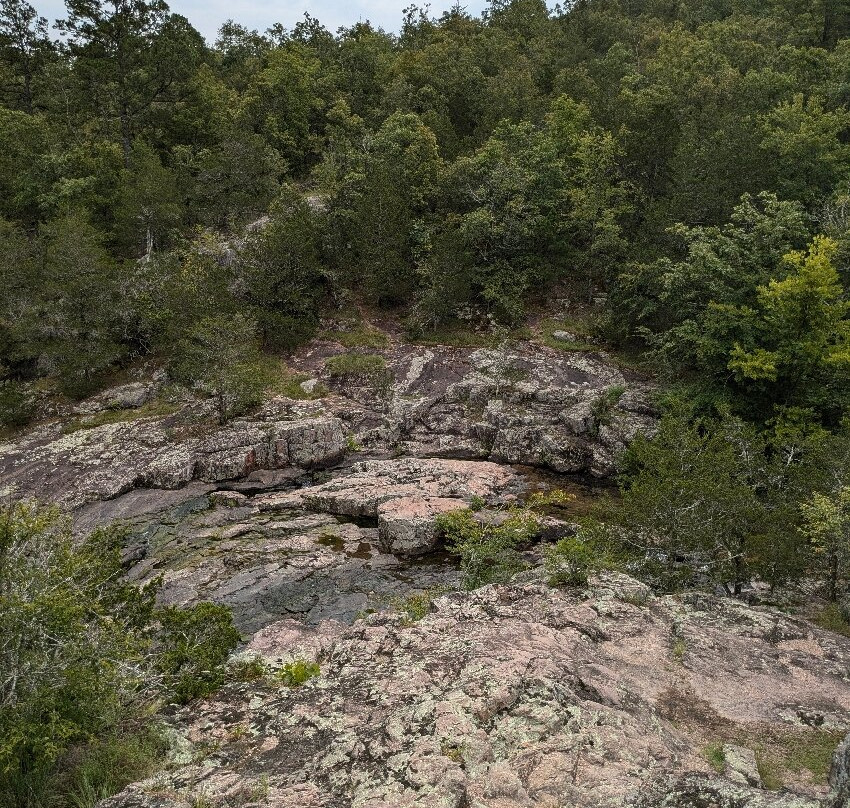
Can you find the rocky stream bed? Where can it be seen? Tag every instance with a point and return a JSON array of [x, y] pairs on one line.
[[313, 518]]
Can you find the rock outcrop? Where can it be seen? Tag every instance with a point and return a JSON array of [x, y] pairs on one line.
[[519, 696], [404, 496], [88, 464], [568, 412]]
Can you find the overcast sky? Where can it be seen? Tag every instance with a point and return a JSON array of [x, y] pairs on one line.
[[208, 15]]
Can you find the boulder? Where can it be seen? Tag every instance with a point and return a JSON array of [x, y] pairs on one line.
[[407, 525], [740, 765]]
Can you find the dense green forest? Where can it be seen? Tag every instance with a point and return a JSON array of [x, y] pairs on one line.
[[680, 167], [671, 155]]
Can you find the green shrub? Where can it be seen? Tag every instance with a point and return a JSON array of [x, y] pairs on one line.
[[488, 553], [831, 618], [85, 658], [195, 644], [107, 765], [570, 561], [418, 605], [296, 673], [603, 407], [16, 405], [219, 355]]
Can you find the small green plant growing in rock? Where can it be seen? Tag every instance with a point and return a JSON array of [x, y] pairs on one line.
[[238, 731], [201, 801], [260, 789], [476, 503], [247, 669], [297, 672], [488, 553], [602, 408], [715, 756], [453, 751], [680, 647], [351, 444], [418, 605]]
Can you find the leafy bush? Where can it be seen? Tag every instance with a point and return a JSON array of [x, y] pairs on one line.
[[571, 560], [219, 354], [85, 658], [195, 645], [295, 674], [488, 552]]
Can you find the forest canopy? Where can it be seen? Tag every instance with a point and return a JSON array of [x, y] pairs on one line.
[[686, 161]]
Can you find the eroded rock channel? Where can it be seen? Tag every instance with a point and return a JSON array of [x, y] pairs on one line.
[[312, 517]]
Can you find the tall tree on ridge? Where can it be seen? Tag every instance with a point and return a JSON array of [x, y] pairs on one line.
[[129, 53], [24, 47]]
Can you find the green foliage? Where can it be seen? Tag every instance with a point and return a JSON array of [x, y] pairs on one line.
[[707, 501], [832, 618], [463, 171], [715, 756], [488, 552], [282, 272], [108, 764], [195, 645], [86, 658], [246, 669], [573, 559], [370, 369], [418, 605], [363, 335], [826, 527], [16, 405], [64, 614], [219, 355], [603, 407], [296, 673]]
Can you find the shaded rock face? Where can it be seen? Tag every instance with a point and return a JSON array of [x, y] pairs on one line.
[[103, 462], [567, 412], [512, 696]]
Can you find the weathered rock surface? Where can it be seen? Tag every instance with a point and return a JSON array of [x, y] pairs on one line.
[[100, 463], [405, 496], [839, 775], [569, 412], [407, 525], [517, 696], [268, 565]]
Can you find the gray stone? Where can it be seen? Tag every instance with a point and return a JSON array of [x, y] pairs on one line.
[[741, 766], [407, 525]]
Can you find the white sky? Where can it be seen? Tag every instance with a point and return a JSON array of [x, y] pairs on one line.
[[208, 15]]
